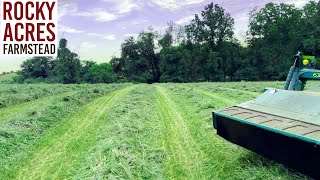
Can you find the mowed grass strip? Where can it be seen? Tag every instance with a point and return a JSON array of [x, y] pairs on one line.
[[61, 150], [12, 94], [21, 134], [129, 145], [217, 97], [241, 91], [227, 161], [19, 109], [184, 158]]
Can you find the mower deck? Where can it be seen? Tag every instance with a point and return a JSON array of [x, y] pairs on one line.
[[269, 126], [282, 125]]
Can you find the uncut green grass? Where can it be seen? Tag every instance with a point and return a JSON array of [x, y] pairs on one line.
[[160, 131], [7, 78]]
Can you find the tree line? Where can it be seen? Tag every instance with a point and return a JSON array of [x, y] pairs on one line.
[[203, 50], [67, 68]]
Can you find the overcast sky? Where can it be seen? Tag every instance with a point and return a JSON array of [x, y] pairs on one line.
[[96, 28]]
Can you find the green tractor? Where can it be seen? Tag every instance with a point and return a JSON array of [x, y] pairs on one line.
[[282, 125], [303, 69]]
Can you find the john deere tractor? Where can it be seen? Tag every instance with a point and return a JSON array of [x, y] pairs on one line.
[[282, 125], [303, 69]]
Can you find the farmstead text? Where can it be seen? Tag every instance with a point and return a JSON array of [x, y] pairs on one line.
[[28, 28]]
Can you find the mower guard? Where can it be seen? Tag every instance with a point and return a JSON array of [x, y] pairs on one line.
[[281, 125]]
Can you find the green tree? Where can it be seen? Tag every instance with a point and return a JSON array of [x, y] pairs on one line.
[[214, 26], [172, 65], [67, 65], [212, 68], [36, 67], [134, 66], [118, 65], [85, 67], [100, 73], [311, 29], [139, 59], [275, 36], [146, 43]]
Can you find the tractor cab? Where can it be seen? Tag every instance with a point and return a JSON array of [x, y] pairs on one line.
[[304, 68], [309, 62]]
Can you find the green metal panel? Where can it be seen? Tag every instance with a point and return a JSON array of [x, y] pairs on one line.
[[309, 74], [268, 128], [272, 137], [302, 106], [310, 58]]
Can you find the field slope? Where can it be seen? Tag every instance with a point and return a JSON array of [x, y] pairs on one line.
[[161, 131], [7, 77]]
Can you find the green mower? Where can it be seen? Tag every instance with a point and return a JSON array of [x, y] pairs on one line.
[[282, 125]]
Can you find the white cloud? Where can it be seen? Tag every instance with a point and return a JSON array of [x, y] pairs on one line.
[[185, 20], [124, 6], [116, 9], [99, 15], [66, 7], [176, 4], [298, 3], [110, 37], [94, 34], [88, 44], [139, 21], [69, 29]]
